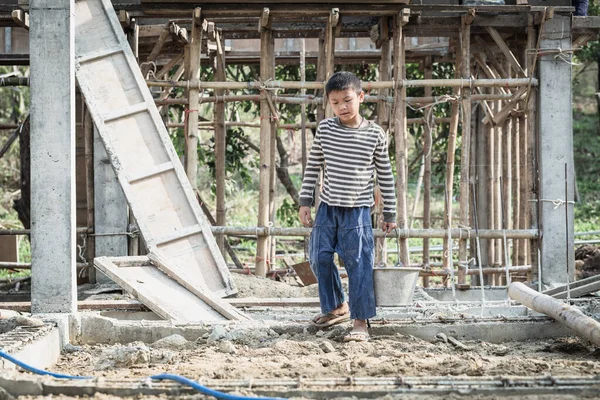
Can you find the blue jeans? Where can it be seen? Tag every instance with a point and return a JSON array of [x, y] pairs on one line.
[[346, 231]]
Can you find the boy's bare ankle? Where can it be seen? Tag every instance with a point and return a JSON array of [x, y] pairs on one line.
[[342, 309], [360, 325]]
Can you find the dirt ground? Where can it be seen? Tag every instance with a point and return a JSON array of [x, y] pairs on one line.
[[293, 350]]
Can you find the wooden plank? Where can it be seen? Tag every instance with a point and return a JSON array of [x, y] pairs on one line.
[[153, 171], [158, 292], [216, 303], [135, 144], [9, 248], [156, 49], [180, 234], [126, 112], [505, 50]]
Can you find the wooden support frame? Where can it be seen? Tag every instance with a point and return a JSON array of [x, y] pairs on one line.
[[164, 35]]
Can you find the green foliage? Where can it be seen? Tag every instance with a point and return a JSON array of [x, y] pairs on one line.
[[287, 213]]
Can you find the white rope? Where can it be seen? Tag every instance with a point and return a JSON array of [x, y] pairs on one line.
[[557, 203]]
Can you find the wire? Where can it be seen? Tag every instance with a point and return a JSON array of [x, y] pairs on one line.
[[180, 379], [39, 371], [207, 391]]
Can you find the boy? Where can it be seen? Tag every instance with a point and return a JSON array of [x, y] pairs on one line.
[[351, 150]]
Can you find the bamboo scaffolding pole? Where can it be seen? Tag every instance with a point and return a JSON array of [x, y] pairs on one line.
[[383, 119], [273, 178], [465, 46], [466, 82], [497, 193], [449, 178], [519, 123], [310, 99], [332, 21], [530, 215], [210, 124], [507, 178], [88, 138], [570, 316], [456, 233], [486, 271], [491, 177], [262, 246], [400, 135], [220, 135], [427, 150], [193, 75], [398, 233]]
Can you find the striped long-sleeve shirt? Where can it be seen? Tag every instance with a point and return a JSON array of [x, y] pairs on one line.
[[350, 157]]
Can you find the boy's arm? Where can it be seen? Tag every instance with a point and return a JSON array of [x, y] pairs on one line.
[[315, 162], [385, 178]]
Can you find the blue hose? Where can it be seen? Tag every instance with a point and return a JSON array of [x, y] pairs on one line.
[[176, 378], [207, 391], [37, 370]]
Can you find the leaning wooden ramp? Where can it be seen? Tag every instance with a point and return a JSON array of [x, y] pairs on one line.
[[141, 152], [167, 297]]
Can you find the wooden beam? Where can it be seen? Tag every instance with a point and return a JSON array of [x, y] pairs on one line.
[[179, 34], [505, 50], [156, 50], [167, 68]]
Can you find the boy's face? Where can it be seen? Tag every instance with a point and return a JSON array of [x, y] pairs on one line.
[[346, 104]]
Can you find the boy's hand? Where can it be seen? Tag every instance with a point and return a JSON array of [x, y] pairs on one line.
[[388, 227], [305, 216]]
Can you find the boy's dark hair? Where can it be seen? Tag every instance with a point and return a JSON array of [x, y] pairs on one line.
[[342, 81]]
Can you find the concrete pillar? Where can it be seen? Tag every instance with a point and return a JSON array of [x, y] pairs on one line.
[[110, 211], [555, 147], [53, 205]]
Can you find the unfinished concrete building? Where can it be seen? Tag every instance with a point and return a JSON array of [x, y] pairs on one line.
[[103, 76]]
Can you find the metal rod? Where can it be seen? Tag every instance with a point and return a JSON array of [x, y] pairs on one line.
[[475, 221], [504, 240]]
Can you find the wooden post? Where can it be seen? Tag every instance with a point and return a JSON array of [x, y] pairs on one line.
[[449, 184], [519, 125], [220, 142], [385, 73], [428, 130], [193, 75], [491, 178], [266, 66], [272, 240], [88, 137], [529, 219], [465, 36], [507, 163], [400, 131], [332, 22]]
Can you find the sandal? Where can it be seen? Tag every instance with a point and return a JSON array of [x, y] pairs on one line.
[[329, 319], [357, 336]]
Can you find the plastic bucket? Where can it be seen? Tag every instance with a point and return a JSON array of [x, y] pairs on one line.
[[395, 286]]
